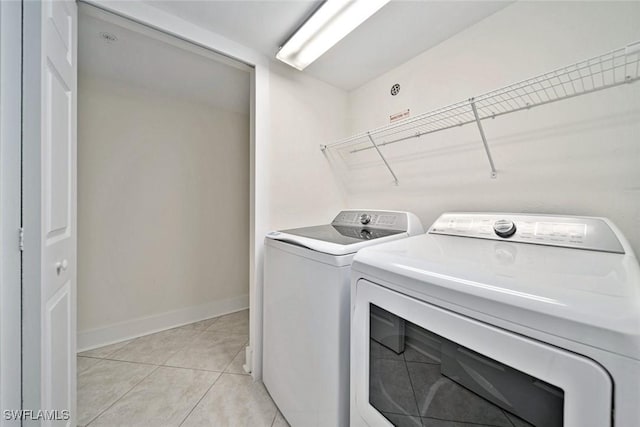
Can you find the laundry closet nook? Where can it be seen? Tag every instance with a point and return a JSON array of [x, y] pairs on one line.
[[334, 213]]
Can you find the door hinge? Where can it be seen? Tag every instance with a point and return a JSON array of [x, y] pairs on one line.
[[21, 239]]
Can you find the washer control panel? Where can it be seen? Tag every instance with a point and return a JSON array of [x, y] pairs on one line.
[[570, 232], [372, 219]]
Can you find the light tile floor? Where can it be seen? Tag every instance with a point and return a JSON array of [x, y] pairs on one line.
[[187, 376]]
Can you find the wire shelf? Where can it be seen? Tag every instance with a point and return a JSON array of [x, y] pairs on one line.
[[618, 67]]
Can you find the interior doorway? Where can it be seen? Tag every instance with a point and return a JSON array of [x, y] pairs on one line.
[[163, 208], [163, 181], [49, 151]]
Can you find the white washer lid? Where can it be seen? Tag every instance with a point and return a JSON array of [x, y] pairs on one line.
[[352, 230], [586, 296], [349, 246]]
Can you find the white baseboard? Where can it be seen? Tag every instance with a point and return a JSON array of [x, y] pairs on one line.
[[94, 338]]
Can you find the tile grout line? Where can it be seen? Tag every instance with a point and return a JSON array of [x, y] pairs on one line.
[[91, 357], [200, 400], [199, 329], [129, 361], [273, 422], [233, 358], [224, 334], [164, 364], [223, 371], [202, 369], [214, 382], [183, 327], [231, 373], [191, 369], [197, 333], [172, 353], [132, 340], [120, 398], [129, 341]]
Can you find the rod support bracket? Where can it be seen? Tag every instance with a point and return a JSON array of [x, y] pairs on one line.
[[395, 178], [472, 102]]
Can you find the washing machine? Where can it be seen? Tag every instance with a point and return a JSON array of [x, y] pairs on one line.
[[306, 311], [509, 320]]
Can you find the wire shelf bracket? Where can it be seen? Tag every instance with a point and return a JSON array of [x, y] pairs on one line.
[[395, 178], [494, 173], [615, 68]]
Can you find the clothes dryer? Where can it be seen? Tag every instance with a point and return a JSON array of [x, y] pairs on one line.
[[510, 320]]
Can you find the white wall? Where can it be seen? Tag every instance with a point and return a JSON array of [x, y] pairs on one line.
[[259, 136], [163, 211], [285, 193], [301, 188], [579, 156], [305, 113]]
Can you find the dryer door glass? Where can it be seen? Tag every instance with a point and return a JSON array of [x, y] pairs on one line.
[[432, 381]]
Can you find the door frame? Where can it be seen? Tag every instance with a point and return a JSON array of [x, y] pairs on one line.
[[259, 143], [148, 15], [10, 208]]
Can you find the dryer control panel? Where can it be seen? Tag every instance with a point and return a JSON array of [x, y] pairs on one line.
[[570, 232]]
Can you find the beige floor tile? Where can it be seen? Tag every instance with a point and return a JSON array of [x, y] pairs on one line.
[[104, 383], [201, 325], [164, 398], [106, 351], [85, 363], [235, 367], [209, 351], [234, 400], [280, 421], [232, 324], [155, 348]]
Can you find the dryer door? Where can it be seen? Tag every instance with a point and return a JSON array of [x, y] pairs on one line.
[[457, 370]]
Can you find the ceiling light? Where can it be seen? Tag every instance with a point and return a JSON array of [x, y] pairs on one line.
[[326, 27]]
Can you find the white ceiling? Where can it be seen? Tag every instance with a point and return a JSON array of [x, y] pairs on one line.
[[262, 25], [153, 61], [397, 33]]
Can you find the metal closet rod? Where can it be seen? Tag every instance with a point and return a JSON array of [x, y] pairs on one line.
[[472, 103], [466, 122], [614, 68]]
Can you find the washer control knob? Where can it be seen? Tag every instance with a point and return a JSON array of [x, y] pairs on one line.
[[365, 219], [504, 228]]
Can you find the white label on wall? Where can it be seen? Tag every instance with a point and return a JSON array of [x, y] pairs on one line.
[[399, 116]]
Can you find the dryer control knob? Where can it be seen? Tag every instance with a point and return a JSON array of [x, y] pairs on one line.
[[504, 228], [365, 219]]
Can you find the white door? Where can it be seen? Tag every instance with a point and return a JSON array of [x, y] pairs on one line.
[[59, 204], [50, 299]]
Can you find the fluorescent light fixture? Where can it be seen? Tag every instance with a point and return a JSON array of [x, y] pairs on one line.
[[326, 27]]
